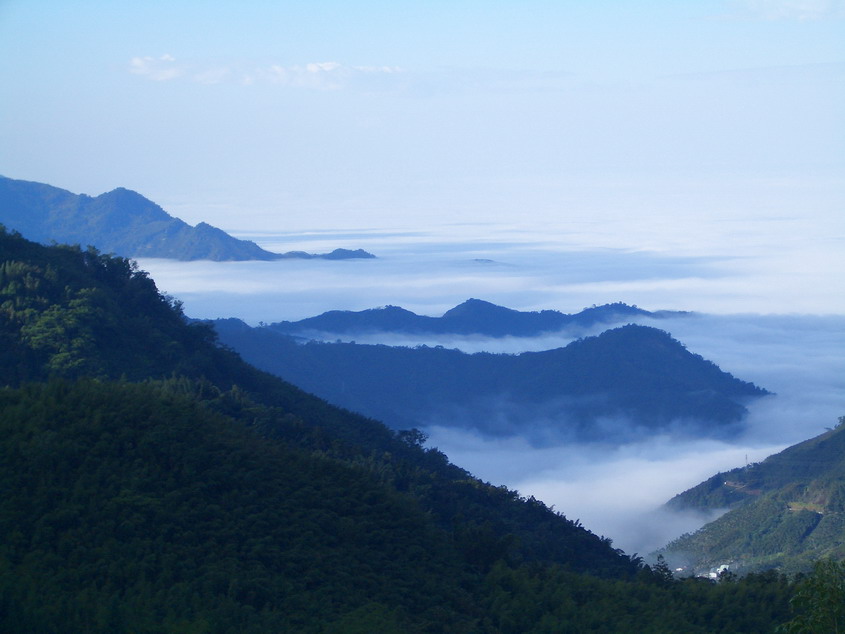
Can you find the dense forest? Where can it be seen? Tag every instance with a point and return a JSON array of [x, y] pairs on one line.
[[154, 482]]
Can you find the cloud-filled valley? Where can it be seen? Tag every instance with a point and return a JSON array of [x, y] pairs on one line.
[[645, 201], [799, 358], [615, 491]]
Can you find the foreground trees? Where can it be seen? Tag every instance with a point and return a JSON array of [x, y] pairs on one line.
[[146, 507], [819, 600]]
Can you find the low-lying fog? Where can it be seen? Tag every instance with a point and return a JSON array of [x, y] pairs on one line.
[[746, 321]]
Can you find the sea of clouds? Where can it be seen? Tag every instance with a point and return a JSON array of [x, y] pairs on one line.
[[617, 491], [772, 318]]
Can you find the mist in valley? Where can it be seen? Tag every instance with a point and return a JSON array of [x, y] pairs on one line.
[[685, 158], [615, 490]]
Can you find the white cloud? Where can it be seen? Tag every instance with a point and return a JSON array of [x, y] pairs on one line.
[[329, 75], [617, 492], [314, 75], [379, 69], [162, 68]]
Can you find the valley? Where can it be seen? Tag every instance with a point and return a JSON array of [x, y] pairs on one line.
[[422, 318], [618, 384]]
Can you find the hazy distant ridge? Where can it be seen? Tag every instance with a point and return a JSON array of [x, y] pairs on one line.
[[124, 222], [472, 317]]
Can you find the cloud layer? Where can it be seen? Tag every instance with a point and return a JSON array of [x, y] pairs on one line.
[[616, 492]]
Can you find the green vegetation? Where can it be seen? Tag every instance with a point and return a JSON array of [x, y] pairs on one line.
[[786, 512], [819, 601], [153, 482], [139, 505]]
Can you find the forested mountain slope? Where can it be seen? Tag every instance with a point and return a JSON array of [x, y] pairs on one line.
[[621, 384], [153, 482], [139, 502], [124, 222], [786, 511]]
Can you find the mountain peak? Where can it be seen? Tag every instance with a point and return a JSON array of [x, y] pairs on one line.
[[125, 196], [476, 308], [130, 206], [633, 373]]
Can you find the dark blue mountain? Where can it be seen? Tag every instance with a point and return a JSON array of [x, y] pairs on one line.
[[623, 384], [472, 317]]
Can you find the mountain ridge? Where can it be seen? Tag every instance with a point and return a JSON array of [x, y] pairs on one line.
[[471, 317], [636, 375], [152, 481], [126, 223]]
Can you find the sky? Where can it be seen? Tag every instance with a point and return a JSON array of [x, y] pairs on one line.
[[289, 116], [541, 154]]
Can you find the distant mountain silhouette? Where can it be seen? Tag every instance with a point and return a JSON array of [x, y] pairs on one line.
[[472, 317], [785, 512], [125, 223], [614, 387]]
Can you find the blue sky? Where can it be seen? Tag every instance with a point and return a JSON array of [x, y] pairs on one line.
[[278, 114], [700, 129]]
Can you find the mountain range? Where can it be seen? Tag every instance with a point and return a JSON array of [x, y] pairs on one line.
[[127, 224], [614, 387], [472, 317], [786, 511], [152, 481]]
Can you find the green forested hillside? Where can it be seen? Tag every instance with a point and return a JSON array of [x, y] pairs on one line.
[[786, 511], [138, 507], [154, 482]]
